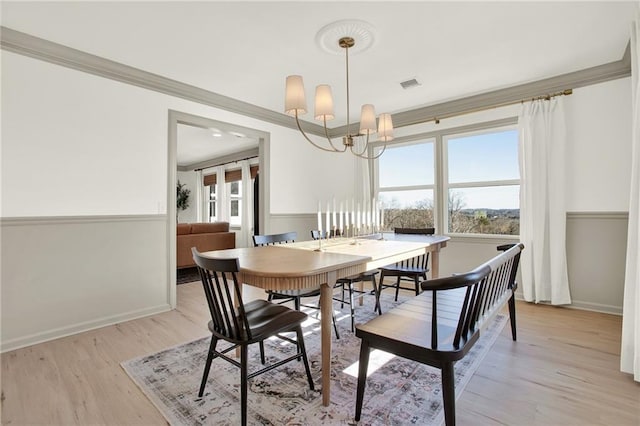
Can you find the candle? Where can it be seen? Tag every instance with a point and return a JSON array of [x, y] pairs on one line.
[[335, 222], [327, 221], [353, 212], [374, 210], [381, 218], [358, 217], [319, 220], [341, 218]]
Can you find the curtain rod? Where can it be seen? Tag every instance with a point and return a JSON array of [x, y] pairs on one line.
[[224, 164], [546, 97]]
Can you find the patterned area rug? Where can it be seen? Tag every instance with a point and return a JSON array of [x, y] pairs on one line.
[[399, 392]]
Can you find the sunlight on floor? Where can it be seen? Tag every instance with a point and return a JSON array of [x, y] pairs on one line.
[[377, 359]]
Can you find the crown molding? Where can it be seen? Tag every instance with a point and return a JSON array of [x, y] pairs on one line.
[[509, 95], [48, 51], [38, 48]]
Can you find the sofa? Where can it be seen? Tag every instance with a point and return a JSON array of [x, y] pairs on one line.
[[204, 237]]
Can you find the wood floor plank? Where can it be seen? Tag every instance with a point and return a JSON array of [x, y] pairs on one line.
[[564, 369]]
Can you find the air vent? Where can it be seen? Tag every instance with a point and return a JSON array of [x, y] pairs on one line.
[[408, 84]]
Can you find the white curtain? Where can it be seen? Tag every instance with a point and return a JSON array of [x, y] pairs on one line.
[[246, 231], [222, 198], [201, 206], [630, 350], [362, 176], [542, 202]]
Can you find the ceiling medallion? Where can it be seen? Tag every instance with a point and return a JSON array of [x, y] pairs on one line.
[[361, 32]]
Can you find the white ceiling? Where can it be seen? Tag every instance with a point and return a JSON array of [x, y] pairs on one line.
[[245, 50], [196, 144]]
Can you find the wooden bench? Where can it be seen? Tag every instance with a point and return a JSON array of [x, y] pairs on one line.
[[440, 326]]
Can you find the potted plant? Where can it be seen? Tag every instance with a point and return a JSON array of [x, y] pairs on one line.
[[182, 198]]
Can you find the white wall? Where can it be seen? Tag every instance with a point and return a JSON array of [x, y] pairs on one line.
[[302, 175], [77, 147], [599, 147], [75, 144]]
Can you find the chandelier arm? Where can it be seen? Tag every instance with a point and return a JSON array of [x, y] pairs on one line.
[[326, 133], [366, 145], [375, 157], [312, 142], [366, 157]]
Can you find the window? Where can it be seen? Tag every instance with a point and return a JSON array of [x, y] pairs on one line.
[[406, 185], [213, 217], [235, 197], [483, 183], [460, 181], [226, 201]]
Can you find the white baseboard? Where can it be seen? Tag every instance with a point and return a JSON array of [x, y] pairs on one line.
[[596, 307], [584, 306], [58, 333]]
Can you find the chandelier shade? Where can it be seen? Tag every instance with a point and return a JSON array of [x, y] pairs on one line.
[[324, 103], [295, 104], [385, 128], [367, 119]]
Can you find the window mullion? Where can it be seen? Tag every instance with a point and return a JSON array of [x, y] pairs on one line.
[[440, 208], [484, 183], [405, 188]]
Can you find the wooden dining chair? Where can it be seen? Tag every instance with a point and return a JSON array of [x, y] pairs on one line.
[[346, 285], [294, 295], [243, 324], [407, 270]]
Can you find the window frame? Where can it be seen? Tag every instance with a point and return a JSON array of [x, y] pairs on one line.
[[432, 187], [212, 203], [231, 197], [441, 185], [224, 197], [447, 186]]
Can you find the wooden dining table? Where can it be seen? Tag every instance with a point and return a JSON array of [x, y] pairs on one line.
[[302, 265]]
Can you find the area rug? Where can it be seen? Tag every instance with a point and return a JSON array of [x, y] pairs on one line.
[[187, 275], [398, 392]]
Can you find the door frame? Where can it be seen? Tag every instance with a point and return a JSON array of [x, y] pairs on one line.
[[179, 117]]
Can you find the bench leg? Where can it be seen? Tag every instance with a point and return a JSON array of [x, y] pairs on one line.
[[448, 394], [512, 316], [362, 376]]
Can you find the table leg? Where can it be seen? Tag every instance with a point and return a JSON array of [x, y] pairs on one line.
[[326, 308], [360, 288], [435, 263]]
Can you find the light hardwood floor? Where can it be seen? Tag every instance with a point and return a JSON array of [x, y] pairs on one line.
[[563, 370]]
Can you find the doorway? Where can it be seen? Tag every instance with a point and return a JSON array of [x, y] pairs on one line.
[[199, 145]]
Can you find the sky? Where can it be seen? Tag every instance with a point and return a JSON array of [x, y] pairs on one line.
[[474, 158]]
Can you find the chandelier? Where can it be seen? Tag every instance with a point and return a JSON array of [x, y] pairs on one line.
[[296, 104]]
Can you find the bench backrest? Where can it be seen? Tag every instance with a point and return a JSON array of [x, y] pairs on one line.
[[488, 287]]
